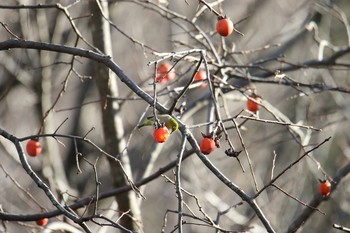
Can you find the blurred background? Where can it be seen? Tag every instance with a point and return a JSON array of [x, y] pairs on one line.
[[49, 92]]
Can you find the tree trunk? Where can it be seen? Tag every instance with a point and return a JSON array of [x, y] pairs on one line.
[[112, 121]]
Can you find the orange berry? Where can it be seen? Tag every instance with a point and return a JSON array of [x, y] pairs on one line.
[[161, 134], [325, 188], [199, 76], [42, 222], [163, 73], [251, 105], [33, 147], [224, 27], [207, 145]]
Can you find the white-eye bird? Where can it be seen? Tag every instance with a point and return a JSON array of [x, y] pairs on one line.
[[165, 119]]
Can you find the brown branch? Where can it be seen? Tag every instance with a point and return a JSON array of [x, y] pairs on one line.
[[317, 200], [290, 166], [62, 210], [297, 200], [88, 200]]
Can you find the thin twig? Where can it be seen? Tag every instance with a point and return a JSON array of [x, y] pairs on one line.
[[304, 204], [290, 166], [246, 153], [342, 228], [178, 184]]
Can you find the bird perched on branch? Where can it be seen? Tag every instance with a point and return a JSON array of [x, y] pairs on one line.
[[165, 119]]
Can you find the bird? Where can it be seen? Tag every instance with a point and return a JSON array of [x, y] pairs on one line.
[[165, 119]]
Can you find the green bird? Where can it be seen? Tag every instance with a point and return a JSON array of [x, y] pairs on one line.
[[168, 121]]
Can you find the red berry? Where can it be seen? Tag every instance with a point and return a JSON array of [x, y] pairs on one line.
[[325, 188], [161, 134], [207, 145], [253, 106], [163, 73], [33, 147], [42, 222], [224, 27], [199, 76]]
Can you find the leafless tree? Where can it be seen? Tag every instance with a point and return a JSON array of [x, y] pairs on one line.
[[81, 78]]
